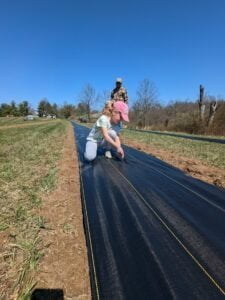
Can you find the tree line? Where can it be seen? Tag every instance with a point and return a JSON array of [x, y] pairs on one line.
[[45, 108], [204, 115], [22, 109], [86, 105]]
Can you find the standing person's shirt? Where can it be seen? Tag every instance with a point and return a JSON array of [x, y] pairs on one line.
[[119, 94], [95, 134]]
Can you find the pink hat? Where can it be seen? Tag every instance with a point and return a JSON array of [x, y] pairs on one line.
[[123, 109]]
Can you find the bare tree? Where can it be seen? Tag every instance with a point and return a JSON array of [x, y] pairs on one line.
[[102, 98], [146, 100], [105, 95], [212, 111], [88, 99]]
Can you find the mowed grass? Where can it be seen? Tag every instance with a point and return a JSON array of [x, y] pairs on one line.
[[211, 154], [13, 121], [177, 133], [28, 170], [218, 137]]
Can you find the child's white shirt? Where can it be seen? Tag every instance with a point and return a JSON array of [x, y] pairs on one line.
[[95, 134]]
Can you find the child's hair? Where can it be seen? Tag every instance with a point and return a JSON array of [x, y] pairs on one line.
[[107, 110]]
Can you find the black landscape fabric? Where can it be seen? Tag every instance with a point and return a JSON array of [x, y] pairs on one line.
[[152, 231]]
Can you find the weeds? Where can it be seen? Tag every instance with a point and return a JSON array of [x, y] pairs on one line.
[[28, 170], [48, 181]]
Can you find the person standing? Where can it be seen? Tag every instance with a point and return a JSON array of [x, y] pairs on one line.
[[119, 93]]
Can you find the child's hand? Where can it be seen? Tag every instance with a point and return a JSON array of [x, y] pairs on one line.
[[120, 151]]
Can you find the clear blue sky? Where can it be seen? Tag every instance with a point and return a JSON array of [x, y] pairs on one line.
[[52, 48]]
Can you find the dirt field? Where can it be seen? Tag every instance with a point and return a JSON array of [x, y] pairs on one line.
[[42, 242], [192, 167], [65, 264]]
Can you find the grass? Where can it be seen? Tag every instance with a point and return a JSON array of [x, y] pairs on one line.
[[28, 170], [183, 133], [11, 121], [211, 154]]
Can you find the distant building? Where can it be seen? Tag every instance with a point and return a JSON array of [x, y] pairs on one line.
[[30, 117], [51, 116]]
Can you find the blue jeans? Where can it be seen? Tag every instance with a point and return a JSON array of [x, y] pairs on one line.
[[92, 146]]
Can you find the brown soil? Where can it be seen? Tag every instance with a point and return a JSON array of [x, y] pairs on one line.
[[191, 167], [65, 263]]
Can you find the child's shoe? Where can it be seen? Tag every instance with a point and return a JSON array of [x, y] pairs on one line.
[[108, 154]]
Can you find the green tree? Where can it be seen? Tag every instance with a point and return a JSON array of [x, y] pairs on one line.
[[55, 109], [24, 108], [44, 108], [14, 110], [5, 109], [67, 110]]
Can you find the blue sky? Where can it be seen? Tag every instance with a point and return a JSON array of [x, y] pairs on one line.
[[53, 48]]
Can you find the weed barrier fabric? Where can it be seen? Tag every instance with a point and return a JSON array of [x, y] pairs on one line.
[[152, 232]]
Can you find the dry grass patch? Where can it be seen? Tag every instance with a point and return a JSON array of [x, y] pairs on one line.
[[65, 264], [28, 169]]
